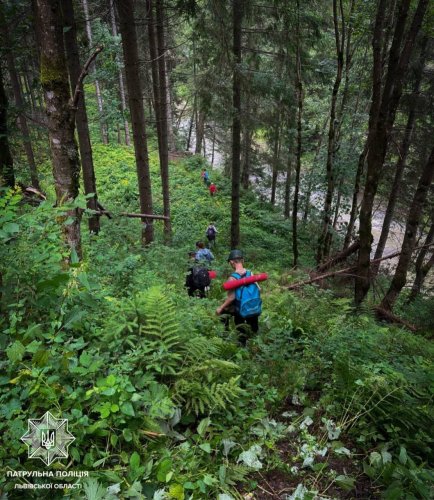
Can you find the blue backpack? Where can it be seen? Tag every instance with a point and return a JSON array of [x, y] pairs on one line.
[[248, 301]]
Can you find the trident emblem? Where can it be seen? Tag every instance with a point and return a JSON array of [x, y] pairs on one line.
[[48, 439]]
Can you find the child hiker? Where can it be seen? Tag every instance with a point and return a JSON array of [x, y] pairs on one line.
[[210, 233]]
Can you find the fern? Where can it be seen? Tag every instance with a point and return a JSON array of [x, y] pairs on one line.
[[186, 361], [162, 344], [198, 348], [200, 397]]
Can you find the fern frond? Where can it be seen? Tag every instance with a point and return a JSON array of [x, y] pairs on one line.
[[162, 344], [202, 398]]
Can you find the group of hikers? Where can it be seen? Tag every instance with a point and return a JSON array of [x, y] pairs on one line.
[[243, 303], [207, 181]]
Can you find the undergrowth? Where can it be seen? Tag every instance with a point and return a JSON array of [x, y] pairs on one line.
[[162, 401]]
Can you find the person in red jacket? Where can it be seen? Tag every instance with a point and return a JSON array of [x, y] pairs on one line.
[[212, 189]]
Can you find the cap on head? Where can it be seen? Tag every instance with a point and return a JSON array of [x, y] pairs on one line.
[[235, 254]]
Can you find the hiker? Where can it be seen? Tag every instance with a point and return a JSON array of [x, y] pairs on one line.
[[197, 278], [243, 303], [205, 177], [203, 253], [210, 233], [212, 189]]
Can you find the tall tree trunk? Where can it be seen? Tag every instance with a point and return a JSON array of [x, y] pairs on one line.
[[421, 274], [213, 145], [337, 207], [164, 153], [311, 176], [237, 16], [299, 86], [247, 144], [73, 59], [275, 160], [171, 143], [7, 176], [103, 126], [55, 85], [288, 180], [349, 52], [22, 120], [422, 268], [194, 109], [19, 101], [413, 220], [355, 200], [30, 76], [331, 147], [120, 78], [401, 163], [25, 84], [382, 116], [200, 131], [190, 127], [156, 87], [134, 87]]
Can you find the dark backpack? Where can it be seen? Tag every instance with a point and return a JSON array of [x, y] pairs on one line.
[[201, 277], [210, 232], [248, 301]]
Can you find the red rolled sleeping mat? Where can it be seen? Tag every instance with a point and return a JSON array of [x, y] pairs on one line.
[[230, 285]]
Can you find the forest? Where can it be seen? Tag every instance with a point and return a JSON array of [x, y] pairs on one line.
[[152, 154]]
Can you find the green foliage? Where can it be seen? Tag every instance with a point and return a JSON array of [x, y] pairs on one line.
[[400, 474], [161, 400]]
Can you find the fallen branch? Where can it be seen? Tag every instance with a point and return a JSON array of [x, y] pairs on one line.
[[321, 277], [144, 216], [102, 209], [391, 318], [134, 216], [84, 72], [340, 257], [348, 269]]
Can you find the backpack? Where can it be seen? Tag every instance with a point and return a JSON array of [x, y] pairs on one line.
[[210, 232], [201, 277], [248, 301]]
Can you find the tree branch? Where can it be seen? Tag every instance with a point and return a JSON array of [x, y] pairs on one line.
[[83, 74], [134, 216], [144, 216], [340, 257], [348, 269]]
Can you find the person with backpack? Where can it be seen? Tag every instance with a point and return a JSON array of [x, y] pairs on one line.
[[205, 177], [202, 253], [212, 189], [243, 303], [197, 279], [210, 233]]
